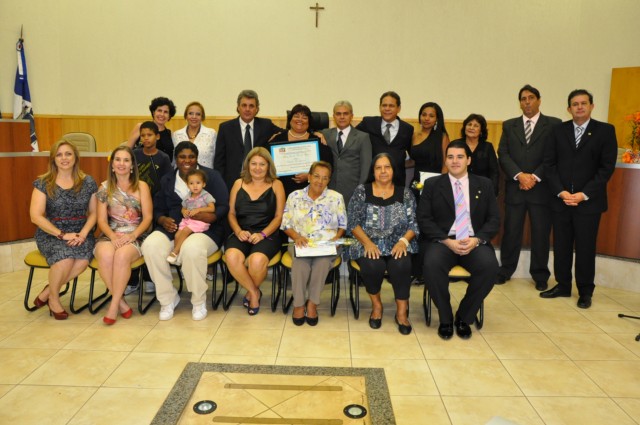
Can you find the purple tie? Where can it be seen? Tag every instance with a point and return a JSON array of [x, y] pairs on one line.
[[462, 214]]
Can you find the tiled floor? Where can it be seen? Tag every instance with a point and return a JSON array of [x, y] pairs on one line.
[[535, 361]]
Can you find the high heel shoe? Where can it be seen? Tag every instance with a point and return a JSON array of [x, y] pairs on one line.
[[38, 302], [63, 315], [127, 314], [108, 321], [255, 310]]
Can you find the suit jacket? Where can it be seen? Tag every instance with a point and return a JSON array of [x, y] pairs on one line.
[[230, 146], [516, 156], [398, 147], [586, 168], [167, 203], [351, 166], [436, 209]]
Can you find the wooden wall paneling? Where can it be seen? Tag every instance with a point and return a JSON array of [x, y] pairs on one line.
[[15, 136]]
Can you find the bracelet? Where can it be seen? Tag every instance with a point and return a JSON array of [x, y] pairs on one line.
[[405, 241], [263, 235], [61, 235]]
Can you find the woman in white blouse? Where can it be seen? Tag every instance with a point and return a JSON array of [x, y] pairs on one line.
[[203, 137]]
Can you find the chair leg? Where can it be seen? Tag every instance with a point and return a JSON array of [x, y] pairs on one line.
[[27, 292], [480, 317], [142, 309], [335, 290], [107, 297], [216, 299], [72, 307], [286, 301], [276, 288], [226, 300], [354, 294], [427, 305]]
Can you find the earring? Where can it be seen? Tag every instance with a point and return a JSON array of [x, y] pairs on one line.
[[435, 127], [131, 171]]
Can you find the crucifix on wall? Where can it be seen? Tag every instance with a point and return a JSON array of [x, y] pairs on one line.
[[317, 9]]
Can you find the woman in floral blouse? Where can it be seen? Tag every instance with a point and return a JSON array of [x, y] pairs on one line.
[[382, 218], [314, 213]]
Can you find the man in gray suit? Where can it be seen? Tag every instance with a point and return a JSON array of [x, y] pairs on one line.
[[521, 153], [351, 150]]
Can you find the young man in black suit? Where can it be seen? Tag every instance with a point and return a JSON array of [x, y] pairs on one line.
[[521, 155], [238, 136], [579, 160], [458, 215], [388, 133]]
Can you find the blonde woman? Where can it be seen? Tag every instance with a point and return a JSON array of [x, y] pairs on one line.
[[125, 212]]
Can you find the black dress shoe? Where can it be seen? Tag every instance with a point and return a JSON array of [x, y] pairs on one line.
[[541, 285], [375, 323], [312, 321], [404, 329], [462, 329], [584, 301], [555, 292], [298, 321], [445, 330], [501, 280]]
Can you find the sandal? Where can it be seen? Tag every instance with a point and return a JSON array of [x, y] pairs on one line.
[[172, 258], [254, 310]]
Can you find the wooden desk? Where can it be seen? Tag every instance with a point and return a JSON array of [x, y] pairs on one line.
[[15, 136]]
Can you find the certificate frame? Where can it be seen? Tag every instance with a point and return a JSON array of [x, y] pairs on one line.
[[291, 158]]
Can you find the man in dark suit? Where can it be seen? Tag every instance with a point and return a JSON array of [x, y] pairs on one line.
[[238, 136], [458, 215], [351, 149], [389, 134], [521, 154], [579, 160]]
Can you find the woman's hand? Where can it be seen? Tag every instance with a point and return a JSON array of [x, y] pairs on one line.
[[120, 239], [254, 238], [399, 250], [301, 178], [243, 236], [301, 242], [168, 224], [77, 239], [371, 250]]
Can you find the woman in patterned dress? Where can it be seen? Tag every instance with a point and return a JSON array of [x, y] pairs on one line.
[[382, 217], [125, 212], [318, 214], [63, 206]]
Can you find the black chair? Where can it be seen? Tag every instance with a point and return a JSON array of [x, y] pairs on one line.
[[320, 120], [35, 260]]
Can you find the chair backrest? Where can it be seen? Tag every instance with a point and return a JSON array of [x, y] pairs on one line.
[[85, 142]]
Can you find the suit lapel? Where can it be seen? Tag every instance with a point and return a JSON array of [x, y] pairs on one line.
[[446, 191], [586, 136], [538, 129]]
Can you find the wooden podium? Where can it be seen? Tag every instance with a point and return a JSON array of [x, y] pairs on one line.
[[15, 136]]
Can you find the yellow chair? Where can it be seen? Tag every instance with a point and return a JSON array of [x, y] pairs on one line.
[[285, 281], [35, 260], [226, 300], [457, 273], [85, 142], [212, 260], [135, 266]]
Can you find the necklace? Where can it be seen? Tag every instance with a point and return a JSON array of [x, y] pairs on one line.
[[195, 135], [296, 136]]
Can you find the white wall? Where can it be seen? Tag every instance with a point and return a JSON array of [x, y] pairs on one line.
[[111, 57]]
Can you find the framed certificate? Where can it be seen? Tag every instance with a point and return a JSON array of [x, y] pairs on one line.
[[292, 158]]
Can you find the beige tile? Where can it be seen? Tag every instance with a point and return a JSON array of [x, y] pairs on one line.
[[99, 337], [27, 404], [579, 410], [165, 339], [313, 361], [76, 368], [18, 252], [611, 323], [480, 410], [524, 346], [498, 301], [237, 317], [591, 347], [110, 406], [239, 359], [247, 342], [13, 311], [45, 334], [565, 320], [631, 300], [616, 378], [18, 363], [4, 389], [628, 340], [6, 265], [8, 328], [541, 378], [308, 342], [149, 370], [368, 345], [408, 377], [631, 406], [435, 347], [419, 410], [505, 321], [473, 378]]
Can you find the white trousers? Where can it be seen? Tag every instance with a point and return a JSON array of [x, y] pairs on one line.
[[193, 259]]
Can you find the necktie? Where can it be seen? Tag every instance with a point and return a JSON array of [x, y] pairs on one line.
[[462, 214], [247, 140], [340, 143], [579, 131], [387, 134], [527, 132]]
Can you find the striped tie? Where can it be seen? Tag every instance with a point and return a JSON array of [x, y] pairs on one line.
[[527, 132], [462, 214], [579, 131]]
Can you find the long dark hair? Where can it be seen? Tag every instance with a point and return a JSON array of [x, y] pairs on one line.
[[371, 177], [439, 116]]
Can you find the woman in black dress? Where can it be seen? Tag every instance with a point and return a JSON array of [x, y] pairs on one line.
[[63, 206], [162, 110], [429, 144]]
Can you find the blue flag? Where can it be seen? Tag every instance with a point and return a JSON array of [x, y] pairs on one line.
[[22, 98]]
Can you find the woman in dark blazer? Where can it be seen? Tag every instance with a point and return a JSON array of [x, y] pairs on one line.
[[484, 161]]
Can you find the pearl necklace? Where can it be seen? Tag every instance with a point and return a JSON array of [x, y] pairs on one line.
[[298, 137]]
